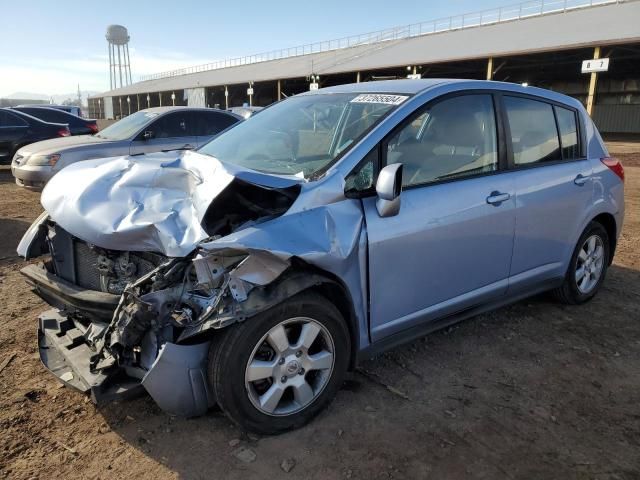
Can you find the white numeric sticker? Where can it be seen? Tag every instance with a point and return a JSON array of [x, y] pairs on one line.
[[379, 98]]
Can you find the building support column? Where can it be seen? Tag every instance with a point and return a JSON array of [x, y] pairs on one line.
[[490, 68], [279, 90], [160, 97], [358, 77], [226, 98], [593, 82]]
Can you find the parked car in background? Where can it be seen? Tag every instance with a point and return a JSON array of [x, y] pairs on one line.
[[335, 224], [77, 125], [18, 129], [72, 109], [152, 130], [245, 111]]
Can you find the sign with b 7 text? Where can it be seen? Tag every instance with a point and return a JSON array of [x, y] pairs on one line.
[[595, 65]]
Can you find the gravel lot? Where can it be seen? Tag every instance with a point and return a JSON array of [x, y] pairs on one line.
[[534, 390]]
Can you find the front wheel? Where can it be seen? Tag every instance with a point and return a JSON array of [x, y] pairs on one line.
[[277, 370], [587, 268]]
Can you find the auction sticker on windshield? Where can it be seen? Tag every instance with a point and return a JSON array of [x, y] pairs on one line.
[[380, 98]]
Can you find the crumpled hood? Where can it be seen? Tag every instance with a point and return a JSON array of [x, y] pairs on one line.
[[55, 144], [153, 202]]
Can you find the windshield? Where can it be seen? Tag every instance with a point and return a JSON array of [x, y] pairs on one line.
[[301, 135], [125, 128]]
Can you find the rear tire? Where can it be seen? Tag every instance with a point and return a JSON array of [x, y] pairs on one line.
[[277, 370], [588, 266]]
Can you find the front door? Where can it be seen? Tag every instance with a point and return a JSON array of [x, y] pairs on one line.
[[450, 246]]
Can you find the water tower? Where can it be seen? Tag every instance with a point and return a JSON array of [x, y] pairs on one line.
[[118, 39]]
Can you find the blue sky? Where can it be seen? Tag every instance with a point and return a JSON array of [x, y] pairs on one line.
[[50, 46]]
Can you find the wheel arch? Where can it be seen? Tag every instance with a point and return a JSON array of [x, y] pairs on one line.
[[335, 292], [299, 278], [608, 221]]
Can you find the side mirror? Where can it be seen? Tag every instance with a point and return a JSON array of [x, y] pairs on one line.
[[388, 188], [148, 135]]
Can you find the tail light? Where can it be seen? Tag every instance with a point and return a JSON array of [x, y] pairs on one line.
[[64, 132], [93, 127], [615, 166]]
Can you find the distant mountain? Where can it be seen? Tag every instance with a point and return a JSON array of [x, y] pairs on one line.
[[28, 96], [59, 98]]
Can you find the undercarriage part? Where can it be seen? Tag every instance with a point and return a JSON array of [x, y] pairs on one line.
[[177, 381], [65, 352]]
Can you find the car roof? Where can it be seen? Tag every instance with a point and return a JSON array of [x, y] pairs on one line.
[[177, 108], [386, 86], [411, 87], [165, 110], [39, 107]]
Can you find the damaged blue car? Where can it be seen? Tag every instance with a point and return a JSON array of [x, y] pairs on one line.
[[255, 272]]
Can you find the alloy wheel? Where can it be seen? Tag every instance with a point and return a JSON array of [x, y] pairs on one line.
[[290, 366], [590, 264]]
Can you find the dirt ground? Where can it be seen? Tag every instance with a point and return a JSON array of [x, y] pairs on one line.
[[536, 390]]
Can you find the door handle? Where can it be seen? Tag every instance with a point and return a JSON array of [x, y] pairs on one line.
[[496, 198], [580, 180]]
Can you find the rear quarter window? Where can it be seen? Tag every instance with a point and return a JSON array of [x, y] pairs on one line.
[[568, 126]]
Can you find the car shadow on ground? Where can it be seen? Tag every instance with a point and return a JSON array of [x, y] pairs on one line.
[[515, 393], [11, 232], [5, 174]]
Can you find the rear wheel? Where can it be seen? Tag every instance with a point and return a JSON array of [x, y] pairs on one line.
[[279, 369], [588, 266]]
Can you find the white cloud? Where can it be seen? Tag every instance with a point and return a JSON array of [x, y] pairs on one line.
[[60, 76]]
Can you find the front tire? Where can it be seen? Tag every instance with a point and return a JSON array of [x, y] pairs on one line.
[[276, 371], [588, 266]]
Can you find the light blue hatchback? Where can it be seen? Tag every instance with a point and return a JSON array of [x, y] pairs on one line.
[[331, 226]]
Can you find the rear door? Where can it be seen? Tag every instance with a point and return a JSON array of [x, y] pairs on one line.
[[449, 248], [13, 131], [554, 187], [172, 131], [211, 123]]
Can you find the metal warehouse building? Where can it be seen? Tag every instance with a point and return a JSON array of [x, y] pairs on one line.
[[540, 42]]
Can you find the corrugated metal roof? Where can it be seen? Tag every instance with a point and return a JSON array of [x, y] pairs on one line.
[[598, 25]]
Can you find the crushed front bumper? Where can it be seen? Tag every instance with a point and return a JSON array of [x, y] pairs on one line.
[[177, 380]]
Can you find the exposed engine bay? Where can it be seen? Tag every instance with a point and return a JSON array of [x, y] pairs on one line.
[[146, 300]]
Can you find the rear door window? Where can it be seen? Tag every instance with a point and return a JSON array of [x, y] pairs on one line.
[[211, 123], [8, 119], [568, 127], [50, 115], [534, 135]]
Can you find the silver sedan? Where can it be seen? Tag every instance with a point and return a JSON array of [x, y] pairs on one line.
[[151, 130]]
